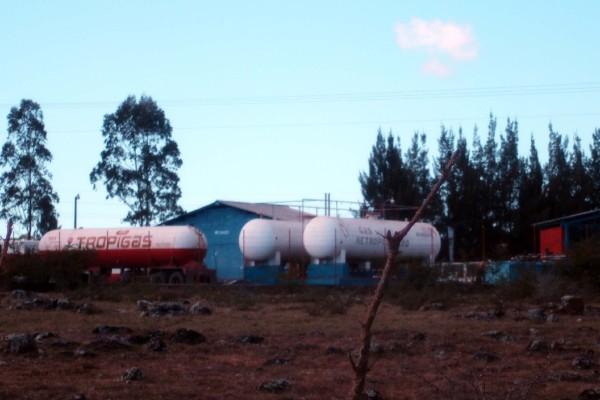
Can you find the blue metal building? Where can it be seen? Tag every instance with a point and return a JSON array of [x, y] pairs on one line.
[[222, 222]]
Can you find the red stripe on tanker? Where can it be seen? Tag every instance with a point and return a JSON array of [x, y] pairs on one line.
[[139, 246]]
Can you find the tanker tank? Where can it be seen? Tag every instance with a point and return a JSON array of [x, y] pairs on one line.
[[272, 241], [170, 252], [341, 239]]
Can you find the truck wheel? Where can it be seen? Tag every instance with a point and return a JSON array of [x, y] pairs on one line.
[[157, 277], [176, 278]]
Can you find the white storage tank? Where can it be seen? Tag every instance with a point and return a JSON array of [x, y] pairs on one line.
[[328, 238], [272, 241]]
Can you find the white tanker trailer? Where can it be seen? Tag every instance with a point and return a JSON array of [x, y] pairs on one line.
[[342, 239], [170, 254], [271, 242]]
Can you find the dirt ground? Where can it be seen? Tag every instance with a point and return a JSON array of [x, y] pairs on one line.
[[436, 353]]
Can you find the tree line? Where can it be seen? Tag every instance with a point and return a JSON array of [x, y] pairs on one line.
[[493, 195], [138, 165]]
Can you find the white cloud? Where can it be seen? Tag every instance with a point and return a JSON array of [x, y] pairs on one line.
[[437, 68], [439, 39], [457, 41]]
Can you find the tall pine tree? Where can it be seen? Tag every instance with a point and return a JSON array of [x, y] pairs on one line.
[[508, 172], [593, 168], [580, 182], [385, 187], [557, 199], [531, 190]]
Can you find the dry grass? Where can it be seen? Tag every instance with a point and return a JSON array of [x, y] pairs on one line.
[[439, 367]]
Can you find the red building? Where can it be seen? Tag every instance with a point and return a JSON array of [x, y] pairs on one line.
[[554, 236]]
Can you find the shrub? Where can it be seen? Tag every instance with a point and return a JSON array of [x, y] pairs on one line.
[[584, 262], [60, 270], [332, 304], [523, 287]]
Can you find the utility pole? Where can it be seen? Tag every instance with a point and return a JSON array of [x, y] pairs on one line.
[[75, 213]]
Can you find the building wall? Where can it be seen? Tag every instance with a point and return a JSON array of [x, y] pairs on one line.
[[221, 225], [551, 240]]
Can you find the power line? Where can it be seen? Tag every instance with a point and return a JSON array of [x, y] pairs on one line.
[[414, 94], [350, 123]]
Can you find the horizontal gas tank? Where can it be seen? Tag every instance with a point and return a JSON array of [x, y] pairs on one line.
[[132, 246], [261, 239], [326, 237]]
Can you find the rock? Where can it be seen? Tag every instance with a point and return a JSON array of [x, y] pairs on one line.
[[552, 318], [372, 394], [109, 343], [566, 376], [585, 361], [533, 332], [62, 343], [83, 353], [277, 361], [486, 356], [536, 315], [275, 386], [156, 344], [498, 335], [145, 338], [132, 374], [40, 337], [139, 339], [538, 346], [20, 343], [79, 397], [497, 312], [418, 337], [397, 347], [111, 330], [557, 345], [251, 339], [200, 309], [188, 336], [334, 350], [440, 354], [377, 348], [438, 306], [143, 305], [87, 308], [64, 304], [19, 294], [572, 305], [589, 394], [159, 309]]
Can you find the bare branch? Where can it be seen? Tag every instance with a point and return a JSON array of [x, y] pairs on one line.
[[393, 241]]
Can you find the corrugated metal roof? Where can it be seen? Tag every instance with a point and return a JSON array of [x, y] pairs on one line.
[[556, 221], [267, 210], [274, 211]]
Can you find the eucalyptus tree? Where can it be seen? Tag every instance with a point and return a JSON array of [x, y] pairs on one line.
[[26, 193], [140, 161]]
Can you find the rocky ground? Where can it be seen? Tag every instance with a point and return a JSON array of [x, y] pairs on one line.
[[226, 344]]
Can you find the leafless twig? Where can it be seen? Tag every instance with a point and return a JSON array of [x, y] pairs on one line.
[[361, 367]]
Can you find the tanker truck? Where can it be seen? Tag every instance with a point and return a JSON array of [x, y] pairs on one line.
[[166, 254]]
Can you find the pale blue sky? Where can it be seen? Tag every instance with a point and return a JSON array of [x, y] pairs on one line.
[[273, 100]]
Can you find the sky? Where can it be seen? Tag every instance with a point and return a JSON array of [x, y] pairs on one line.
[[277, 101]]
